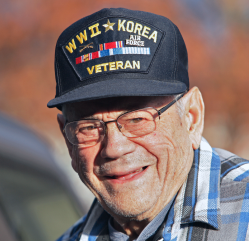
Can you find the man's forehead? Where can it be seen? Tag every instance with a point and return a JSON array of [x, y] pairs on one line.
[[89, 108]]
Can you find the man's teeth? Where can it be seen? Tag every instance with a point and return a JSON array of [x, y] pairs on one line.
[[139, 170], [129, 175]]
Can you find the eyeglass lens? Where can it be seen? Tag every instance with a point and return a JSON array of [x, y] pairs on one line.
[[88, 133]]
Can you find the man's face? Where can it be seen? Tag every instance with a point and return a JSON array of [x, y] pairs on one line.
[[133, 177]]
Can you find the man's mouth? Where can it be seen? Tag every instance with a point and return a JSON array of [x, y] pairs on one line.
[[128, 175]]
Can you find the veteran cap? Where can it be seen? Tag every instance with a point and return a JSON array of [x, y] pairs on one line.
[[119, 52]]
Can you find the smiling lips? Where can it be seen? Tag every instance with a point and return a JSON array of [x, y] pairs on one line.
[[128, 175]]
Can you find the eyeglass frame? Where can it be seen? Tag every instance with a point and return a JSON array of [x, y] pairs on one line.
[[159, 112]]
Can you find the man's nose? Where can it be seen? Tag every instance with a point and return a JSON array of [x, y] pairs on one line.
[[115, 144]]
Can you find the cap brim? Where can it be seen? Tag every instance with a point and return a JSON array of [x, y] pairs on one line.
[[119, 87]]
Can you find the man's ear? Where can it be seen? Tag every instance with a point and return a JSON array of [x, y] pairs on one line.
[[194, 116], [61, 122]]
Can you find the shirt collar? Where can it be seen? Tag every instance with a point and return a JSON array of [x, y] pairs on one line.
[[199, 197]]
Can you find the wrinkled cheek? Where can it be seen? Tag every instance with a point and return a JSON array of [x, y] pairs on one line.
[[82, 166], [169, 153], [156, 143], [85, 165]]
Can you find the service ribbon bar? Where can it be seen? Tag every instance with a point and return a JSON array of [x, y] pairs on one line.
[[112, 51], [111, 45]]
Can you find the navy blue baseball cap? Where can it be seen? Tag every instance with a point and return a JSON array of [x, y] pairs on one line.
[[119, 52]]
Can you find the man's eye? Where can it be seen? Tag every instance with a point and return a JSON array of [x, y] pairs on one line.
[[87, 128], [136, 120]]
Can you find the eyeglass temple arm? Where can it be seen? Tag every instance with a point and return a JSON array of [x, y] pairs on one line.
[[170, 104], [66, 121]]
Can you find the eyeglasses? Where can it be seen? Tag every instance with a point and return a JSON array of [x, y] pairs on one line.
[[88, 132]]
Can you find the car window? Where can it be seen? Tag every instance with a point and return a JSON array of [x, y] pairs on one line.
[[35, 204]]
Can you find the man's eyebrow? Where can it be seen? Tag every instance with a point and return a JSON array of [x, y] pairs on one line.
[[91, 117], [135, 106], [121, 107]]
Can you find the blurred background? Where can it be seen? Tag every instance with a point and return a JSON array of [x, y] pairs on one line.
[[216, 33]]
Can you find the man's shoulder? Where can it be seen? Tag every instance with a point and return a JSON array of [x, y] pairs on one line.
[[91, 224], [234, 194], [233, 167], [74, 231], [234, 189]]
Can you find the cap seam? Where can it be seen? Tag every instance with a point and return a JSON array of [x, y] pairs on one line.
[[58, 75], [154, 57], [175, 50]]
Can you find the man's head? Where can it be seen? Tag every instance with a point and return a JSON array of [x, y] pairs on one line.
[[110, 67]]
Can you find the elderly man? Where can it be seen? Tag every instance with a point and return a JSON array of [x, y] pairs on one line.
[[134, 132]]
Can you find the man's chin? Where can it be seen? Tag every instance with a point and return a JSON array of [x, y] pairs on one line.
[[132, 207], [131, 214]]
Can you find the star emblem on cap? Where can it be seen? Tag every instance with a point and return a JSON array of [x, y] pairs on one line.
[[108, 26]]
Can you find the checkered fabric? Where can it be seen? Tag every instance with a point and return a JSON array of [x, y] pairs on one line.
[[212, 204]]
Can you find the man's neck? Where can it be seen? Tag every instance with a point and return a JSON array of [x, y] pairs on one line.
[[144, 227]]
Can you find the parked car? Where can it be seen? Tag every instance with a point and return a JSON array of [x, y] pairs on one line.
[[37, 201]]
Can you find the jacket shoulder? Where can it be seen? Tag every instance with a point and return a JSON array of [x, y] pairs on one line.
[[233, 167], [74, 232]]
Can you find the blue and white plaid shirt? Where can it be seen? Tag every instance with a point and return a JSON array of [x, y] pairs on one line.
[[212, 204]]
